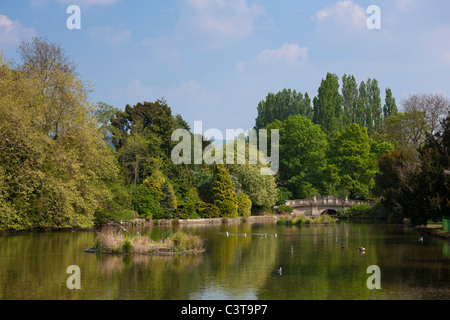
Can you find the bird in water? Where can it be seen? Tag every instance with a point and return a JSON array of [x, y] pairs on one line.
[[361, 249], [342, 245], [280, 270]]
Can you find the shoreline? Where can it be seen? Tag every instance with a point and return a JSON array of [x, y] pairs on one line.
[[155, 253], [435, 231]]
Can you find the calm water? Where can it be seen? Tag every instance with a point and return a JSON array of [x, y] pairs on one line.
[[313, 265]]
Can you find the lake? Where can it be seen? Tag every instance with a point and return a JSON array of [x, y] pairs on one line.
[[257, 261]]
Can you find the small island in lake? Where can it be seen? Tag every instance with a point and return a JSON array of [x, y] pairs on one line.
[[112, 241]]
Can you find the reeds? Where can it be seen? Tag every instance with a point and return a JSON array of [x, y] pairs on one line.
[[115, 241]]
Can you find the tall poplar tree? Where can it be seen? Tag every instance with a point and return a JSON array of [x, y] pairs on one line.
[[390, 107], [350, 99], [374, 108], [328, 105], [282, 105]]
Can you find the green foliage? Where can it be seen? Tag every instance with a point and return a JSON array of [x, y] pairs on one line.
[[284, 209], [416, 187], [328, 105], [390, 107], [186, 212], [302, 154], [168, 201], [282, 105], [145, 203], [207, 210], [127, 246], [53, 160], [283, 195], [244, 205], [222, 192], [356, 211], [155, 182], [247, 177], [350, 153]]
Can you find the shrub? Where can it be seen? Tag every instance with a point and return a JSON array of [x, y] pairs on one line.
[[244, 205], [222, 192], [145, 203], [186, 211], [184, 242], [207, 210], [284, 209], [356, 211], [126, 246]]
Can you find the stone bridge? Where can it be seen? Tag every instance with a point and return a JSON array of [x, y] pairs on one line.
[[318, 206]]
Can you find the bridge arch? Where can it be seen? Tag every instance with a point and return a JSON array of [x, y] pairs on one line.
[[329, 212]]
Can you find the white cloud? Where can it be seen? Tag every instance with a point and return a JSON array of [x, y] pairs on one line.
[[12, 32], [288, 53], [81, 3], [220, 20], [344, 13], [89, 3]]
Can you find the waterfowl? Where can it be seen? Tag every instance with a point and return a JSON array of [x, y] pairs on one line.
[[421, 239], [361, 249], [280, 271], [342, 245]]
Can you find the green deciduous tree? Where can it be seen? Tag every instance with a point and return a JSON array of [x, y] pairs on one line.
[[302, 153], [405, 130], [146, 202], [53, 157], [350, 152], [261, 189]]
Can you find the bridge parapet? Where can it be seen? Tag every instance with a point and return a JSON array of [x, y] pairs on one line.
[[315, 206]]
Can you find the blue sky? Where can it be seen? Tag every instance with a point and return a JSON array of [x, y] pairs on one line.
[[214, 60]]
